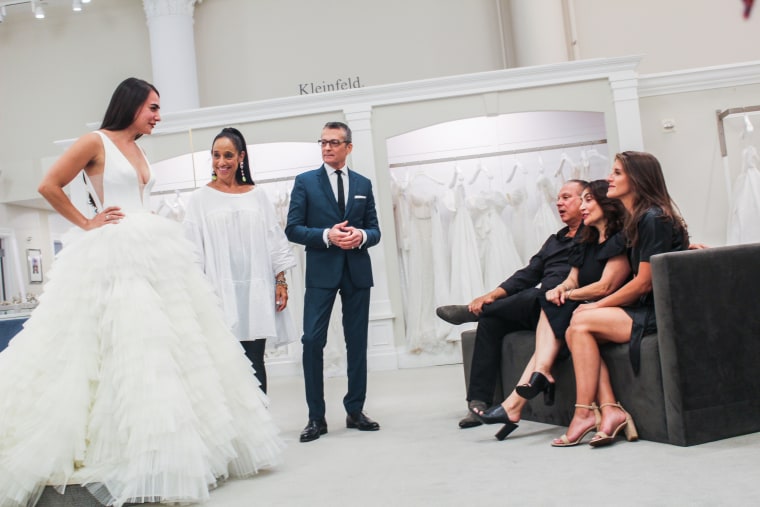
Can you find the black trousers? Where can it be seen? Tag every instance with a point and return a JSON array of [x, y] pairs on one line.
[[512, 313], [254, 351]]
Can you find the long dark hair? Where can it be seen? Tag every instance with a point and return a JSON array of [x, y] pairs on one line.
[[126, 100], [648, 184], [238, 140], [612, 209]]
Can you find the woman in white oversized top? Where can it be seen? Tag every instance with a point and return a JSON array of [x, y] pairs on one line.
[[243, 250]]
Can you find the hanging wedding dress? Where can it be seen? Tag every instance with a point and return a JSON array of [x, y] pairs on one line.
[[426, 243], [125, 379], [744, 217], [526, 239], [546, 222], [499, 257], [466, 281]]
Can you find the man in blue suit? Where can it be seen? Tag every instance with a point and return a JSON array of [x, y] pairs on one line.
[[332, 212]]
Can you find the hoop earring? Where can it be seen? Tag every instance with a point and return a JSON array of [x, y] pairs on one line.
[[242, 173]]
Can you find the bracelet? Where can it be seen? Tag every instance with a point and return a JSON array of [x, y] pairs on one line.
[[281, 282], [567, 293]]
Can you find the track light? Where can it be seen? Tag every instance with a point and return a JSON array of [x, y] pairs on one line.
[[37, 9], [76, 5]]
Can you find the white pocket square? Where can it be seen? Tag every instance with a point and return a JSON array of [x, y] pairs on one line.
[[360, 197]]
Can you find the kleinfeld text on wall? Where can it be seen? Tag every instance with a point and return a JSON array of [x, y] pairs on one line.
[[329, 86]]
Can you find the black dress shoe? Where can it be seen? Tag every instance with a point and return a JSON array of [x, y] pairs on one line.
[[538, 383], [456, 314], [470, 421], [497, 415], [361, 422], [314, 428]]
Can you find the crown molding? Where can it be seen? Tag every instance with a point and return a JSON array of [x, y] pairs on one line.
[[397, 93], [700, 79]]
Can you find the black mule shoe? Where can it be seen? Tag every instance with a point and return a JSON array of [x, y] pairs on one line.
[[496, 415], [538, 383]]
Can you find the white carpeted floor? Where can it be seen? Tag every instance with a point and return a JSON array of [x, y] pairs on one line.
[[421, 457]]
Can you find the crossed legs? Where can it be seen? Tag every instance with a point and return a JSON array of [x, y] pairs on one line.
[[547, 348]]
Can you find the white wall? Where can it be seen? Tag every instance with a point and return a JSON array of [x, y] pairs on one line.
[[286, 43], [672, 34], [690, 153]]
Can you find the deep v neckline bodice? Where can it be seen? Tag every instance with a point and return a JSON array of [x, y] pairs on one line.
[[121, 182], [138, 174]]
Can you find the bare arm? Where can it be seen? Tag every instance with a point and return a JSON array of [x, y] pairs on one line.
[[615, 273], [557, 294], [85, 153], [628, 293]]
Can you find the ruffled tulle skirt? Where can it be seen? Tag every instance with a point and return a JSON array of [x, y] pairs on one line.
[[126, 380]]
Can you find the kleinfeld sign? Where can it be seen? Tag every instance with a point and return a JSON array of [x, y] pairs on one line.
[[324, 86]]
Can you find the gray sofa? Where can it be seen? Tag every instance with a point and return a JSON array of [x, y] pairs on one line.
[[699, 378]]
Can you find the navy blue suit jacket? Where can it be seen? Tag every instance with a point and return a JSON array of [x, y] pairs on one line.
[[313, 208]]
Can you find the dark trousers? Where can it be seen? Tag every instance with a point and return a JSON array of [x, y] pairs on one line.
[[254, 351], [318, 304], [512, 313]]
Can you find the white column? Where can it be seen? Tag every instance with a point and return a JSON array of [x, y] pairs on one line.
[[538, 32], [381, 351], [625, 95], [172, 48]]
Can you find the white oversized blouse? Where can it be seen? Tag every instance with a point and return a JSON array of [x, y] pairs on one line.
[[241, 246]]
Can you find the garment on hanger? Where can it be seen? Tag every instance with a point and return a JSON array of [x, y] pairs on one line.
[[421, 326], [466, 279], [743, 224], [499, 257], [524, 232], [546, 221]]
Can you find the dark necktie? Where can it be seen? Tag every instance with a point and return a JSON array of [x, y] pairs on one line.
[[341, 195]]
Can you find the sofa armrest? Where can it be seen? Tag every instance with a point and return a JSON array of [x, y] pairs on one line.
[[708, 321]]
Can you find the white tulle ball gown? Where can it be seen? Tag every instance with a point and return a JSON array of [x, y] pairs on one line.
[[125, 378]]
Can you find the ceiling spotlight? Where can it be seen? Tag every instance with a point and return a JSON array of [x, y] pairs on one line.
[[76, 5], [86, 1], [39, 12]]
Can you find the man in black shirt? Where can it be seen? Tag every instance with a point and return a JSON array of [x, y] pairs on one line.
[[513, 305]]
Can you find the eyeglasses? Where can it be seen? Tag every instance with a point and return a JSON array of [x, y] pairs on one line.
[[332, 142]]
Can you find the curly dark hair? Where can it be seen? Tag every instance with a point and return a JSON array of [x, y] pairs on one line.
[[612, 209]]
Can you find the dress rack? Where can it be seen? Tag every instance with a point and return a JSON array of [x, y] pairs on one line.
[[498, 153], [720, 116]]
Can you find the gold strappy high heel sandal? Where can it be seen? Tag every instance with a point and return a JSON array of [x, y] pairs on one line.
[[601, 438], [563, 441]]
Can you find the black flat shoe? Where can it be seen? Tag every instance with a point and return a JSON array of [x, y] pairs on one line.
[[314, 428], [538, 383], [456, 314], [496, 415], [361, 422]]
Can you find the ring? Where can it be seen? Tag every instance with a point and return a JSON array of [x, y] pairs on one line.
[[108, 217]]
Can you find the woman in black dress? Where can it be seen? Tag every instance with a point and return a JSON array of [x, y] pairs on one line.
[[653, 225], [598, 267]]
